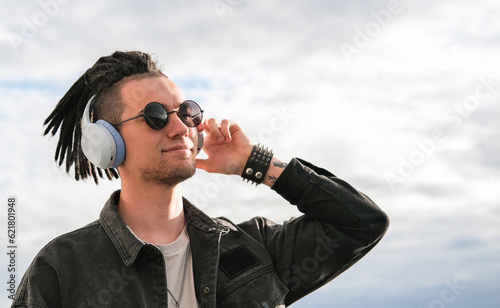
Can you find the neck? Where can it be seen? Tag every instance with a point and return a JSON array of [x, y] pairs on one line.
[[154, 212]]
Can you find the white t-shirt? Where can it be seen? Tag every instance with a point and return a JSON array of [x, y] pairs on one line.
[[179, 267]]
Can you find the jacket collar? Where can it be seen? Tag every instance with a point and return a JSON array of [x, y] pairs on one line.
[[196, 218], [127, 244]]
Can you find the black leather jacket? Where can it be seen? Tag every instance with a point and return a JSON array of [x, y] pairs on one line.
[[253, 264]]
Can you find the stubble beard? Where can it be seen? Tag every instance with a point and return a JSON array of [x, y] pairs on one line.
[[166, 175]]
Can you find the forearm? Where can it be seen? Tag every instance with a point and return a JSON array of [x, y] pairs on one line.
[[339, 226], [320, 195], [273, 173]]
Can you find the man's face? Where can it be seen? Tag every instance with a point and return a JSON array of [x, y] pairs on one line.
[[165, 156]]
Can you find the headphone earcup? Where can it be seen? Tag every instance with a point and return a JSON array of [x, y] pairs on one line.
[[102, 145], [120, 144], [200, 142]]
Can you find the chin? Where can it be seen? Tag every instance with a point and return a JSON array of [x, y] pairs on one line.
[[168, 175]]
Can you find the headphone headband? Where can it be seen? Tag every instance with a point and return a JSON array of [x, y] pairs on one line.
[[86, 113]]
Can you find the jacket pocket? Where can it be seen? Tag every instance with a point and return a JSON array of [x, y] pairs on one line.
[[259, 287]]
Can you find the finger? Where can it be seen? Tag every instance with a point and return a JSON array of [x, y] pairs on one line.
[[201, 164], [214, 130], [201, 126], [224, 129]]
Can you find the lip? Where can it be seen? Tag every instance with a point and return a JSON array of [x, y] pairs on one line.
[[176, 148]]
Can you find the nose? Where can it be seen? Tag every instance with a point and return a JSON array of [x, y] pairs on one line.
[[175, 127]]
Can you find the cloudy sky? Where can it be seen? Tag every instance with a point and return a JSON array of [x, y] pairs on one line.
[[399, 98]]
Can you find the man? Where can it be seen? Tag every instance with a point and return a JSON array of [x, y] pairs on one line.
[[152, 248]]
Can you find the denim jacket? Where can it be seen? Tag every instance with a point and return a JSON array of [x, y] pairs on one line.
[[256, 263]]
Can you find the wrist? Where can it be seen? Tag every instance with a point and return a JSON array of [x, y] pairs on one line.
[[257, 165]]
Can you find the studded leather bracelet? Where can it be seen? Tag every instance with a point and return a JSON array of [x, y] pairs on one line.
[[257, 164]]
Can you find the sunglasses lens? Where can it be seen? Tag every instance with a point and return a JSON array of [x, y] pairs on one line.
[[156, 115], [190, 113]]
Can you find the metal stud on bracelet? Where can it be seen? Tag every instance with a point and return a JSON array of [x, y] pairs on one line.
[[257, 164]]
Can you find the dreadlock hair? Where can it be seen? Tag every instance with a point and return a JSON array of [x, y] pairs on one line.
[[103, 79]]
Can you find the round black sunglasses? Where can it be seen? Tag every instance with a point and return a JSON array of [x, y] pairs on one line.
[[156, 115]]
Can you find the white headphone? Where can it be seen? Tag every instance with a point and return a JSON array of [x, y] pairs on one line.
[[102, 144]]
